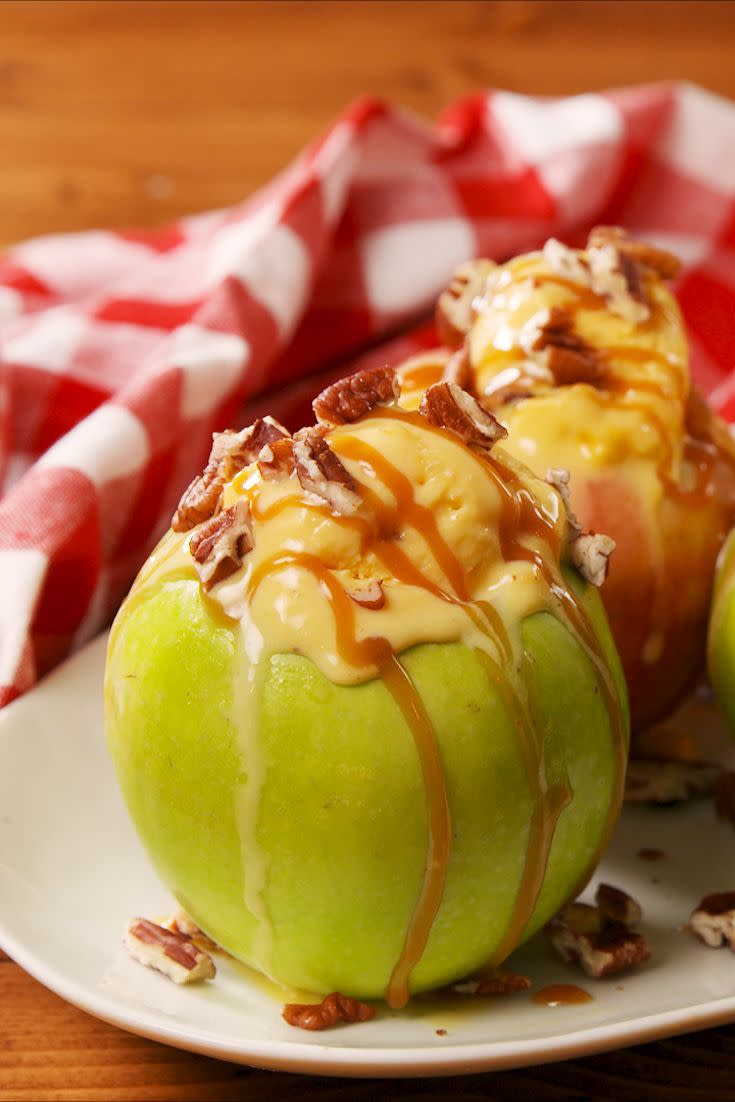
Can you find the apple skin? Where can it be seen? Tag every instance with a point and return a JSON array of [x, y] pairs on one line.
[[342, 812], [721, 639]]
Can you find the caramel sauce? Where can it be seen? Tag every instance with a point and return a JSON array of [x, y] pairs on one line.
[[561, 994]]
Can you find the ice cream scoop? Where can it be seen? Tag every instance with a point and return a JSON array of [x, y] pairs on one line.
[[582, 355], [367, 718]]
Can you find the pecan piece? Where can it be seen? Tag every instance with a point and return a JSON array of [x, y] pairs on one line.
[[182, 923], [322, 473], [725, 796], [615, 277], [614, 949], [455, 310], [222, 542], [333, 1010], [615, 905], [368, 596], [661, 781], [350, 399], [276, 460], [231, 451], [661, 261], [494, 984], [449, 407], [590, 554], [580, 918], [713, 920], [552, 341], [558, 477], [169, 952], [566, 262]]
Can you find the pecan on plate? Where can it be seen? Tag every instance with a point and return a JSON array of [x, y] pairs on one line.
[[590, 553], [615, 905], [333, 1010], [449, 407], [169, 952], [219, 546], [494, 984], [455, 309], [668, 781], [713, 920], [321, 472], [350, 399]]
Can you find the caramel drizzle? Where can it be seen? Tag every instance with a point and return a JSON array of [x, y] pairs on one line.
[[377, 652]]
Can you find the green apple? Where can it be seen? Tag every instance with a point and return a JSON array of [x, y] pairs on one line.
[[335, 850], [721, 640]]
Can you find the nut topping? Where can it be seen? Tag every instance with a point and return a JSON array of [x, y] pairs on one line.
[[276, 460], [551, 341], [494, 984], [455, 309], [330, 1012], [608, 272], [449, 407], [169, 952], [615, 905], [663, 263], [713, 921], [614, 949], [558, 477], [222, 542], [590, 553], [182, 923], [660, 781], [725, 796], [566, 262], [369, 596], [350, 399], [322, 473], [231, 451]]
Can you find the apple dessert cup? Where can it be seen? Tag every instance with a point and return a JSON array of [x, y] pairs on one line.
[[366, 714], [582, 355]]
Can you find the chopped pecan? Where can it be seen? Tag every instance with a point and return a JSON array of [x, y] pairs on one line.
[[455, 310], [558, 477], [580, 918], [222, 542], [615, 276], [459, 368], [276, 460], [661, 261], [200, 500], [450, 407], [494, 984], [240, 449], [322, 473], [368, 596], [552, 341], [713, 920], [350, 399], [182, 923], [231, 451], [566, 262], [171, 953], [725, 796], [590, 553], [333, 1010], [662, 781], [613, 949], [615, 905]]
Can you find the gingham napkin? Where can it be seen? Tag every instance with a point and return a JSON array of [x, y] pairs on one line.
[[121, 352]]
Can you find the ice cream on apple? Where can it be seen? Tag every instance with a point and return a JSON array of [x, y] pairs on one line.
[[367, 717], [583, 357]]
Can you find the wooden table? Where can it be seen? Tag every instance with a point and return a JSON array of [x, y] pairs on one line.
[[134, 113]]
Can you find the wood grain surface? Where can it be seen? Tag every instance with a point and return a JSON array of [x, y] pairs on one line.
[[129, 113]]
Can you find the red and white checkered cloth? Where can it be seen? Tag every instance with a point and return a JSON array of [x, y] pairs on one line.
[[120, 353]]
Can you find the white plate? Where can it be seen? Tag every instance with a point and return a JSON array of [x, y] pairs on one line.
[[72, 873]]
